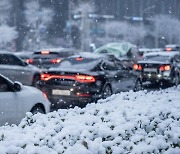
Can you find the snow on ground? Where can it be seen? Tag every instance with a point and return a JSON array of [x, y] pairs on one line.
[[137, 123]]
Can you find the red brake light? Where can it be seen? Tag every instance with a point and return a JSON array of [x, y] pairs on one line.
[[85, 78], [45, 77], [45, 52], [79, 58], [79, 78], [30, 61], [137, 67], [165, 68], [168, 49], [55, 61]]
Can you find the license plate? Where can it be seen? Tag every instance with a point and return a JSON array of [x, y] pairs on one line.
[[61, 92], [150, 70]]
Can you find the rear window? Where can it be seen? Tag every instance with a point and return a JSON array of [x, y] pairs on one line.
[[157, 58], [79, 63]]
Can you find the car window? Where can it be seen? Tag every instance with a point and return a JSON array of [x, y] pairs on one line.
[[119, 65], [7, 59], [109, 66], [79, 63], [4, 86], [157, 58]]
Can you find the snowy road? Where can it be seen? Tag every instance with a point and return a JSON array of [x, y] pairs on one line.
[[129, 122]]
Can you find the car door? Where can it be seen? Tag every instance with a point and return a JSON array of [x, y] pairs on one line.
[[8, 103], [125, 76], [111, 74]]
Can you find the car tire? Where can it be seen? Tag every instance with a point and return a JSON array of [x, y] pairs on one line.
[[35, 81], [36, 110], [138, 85], [107, 91]]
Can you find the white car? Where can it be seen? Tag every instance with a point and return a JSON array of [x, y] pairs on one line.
[[17, 70], [17, 99]]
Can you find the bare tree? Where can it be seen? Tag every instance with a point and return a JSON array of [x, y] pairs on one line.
[[82, 11], [7, 34], [38, 19]]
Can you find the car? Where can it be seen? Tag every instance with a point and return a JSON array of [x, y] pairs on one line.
[[127, 52], [17, 99], [25, 55], [47, 58], [15, 69], [85, 78], [172, 47], [159, 67]]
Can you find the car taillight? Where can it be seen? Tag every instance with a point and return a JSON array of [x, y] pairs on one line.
[[85, 78], [168, 49], [45, 77], [165, 68], [79, 78], [79, 58], [55, 61], [137, 67], [29, 61], [45, 52]]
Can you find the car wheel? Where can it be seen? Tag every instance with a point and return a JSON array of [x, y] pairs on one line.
[[107, 91], [176, 80], [36, 110], [35, 80], [138, 85]]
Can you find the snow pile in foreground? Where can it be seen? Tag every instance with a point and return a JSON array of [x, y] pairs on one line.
[[129, 122]]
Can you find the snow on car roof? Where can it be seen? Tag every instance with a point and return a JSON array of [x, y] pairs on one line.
[[129, 122], [162, 53]]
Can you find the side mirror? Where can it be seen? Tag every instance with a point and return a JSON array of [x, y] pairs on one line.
[[17, 86]]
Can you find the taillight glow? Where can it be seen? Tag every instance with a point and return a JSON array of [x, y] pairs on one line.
[[168, 49], [165, 68], [79, 78], [137, 67], [55, 61], [45, 52], [29, 61], [79, 58]]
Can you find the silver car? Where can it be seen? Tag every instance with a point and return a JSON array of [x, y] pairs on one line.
[[17, 70], [16, 100]]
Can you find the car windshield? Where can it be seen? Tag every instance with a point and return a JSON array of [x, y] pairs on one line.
[[79, 63], [157, 58]]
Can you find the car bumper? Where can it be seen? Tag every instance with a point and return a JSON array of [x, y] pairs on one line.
[[156, 77]]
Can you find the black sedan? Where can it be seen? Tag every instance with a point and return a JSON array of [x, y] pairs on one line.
[[85, 78], [159, 67], [47, 58]]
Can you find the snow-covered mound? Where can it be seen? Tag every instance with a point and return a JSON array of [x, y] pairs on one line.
[[137, 123]]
